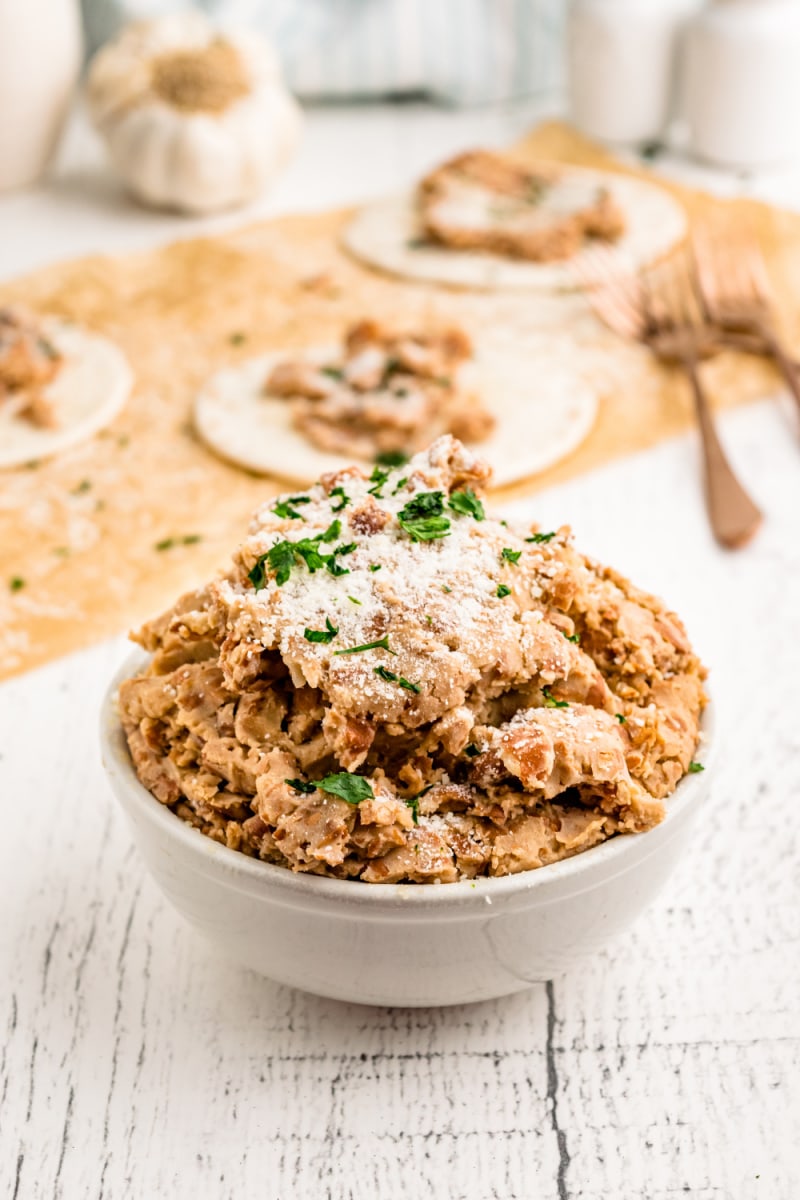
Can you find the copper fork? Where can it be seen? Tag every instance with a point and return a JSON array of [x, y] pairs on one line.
[[665, 314], [735, 290]]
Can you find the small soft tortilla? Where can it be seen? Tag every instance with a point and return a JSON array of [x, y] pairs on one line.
[[380, 234], [542, 408], [89, 390]]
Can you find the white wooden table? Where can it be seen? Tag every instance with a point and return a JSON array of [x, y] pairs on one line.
[[133, 1065]]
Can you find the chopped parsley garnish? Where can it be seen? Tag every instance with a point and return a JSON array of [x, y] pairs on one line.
[[550, 700], [378, 479], [322, 635], [413, 802], [82, 487], [16, 583], [446, 589], [374, 566], [392, 458], [623, 720], [471, 751], [512, 556], [299, 785], [401, 483], [695, 768], [422, 517], [427, 529], [381, 644], [352, 788], [573, 637], [333, 372], [467, 503], [390, 677], [541, 537], [284, 508], [188, 539], [284, 555], [237, 339], [503, 590], [343, 498], [428, 619], [354, 600]]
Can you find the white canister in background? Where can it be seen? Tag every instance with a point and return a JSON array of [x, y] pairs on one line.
[[40, 59], [742, 82], [622, 58]]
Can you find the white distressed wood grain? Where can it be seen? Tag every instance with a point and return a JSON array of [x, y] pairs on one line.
[[135, 1065]]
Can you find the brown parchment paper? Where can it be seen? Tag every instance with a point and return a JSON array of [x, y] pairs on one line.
[[80, 530]]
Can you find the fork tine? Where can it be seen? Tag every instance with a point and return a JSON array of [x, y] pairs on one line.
[[612, 291]]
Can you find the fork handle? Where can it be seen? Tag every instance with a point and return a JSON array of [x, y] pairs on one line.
[[733, 515]]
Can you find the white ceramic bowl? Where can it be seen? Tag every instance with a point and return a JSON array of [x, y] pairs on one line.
[[397, 944]]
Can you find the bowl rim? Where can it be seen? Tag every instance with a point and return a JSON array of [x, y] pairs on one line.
[[610, 858]]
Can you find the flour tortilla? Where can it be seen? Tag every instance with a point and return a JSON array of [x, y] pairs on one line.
[[382, 235], [89, 390], [543, 409]]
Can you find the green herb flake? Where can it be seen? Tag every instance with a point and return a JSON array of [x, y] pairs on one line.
[[374, 566], [623, 720], [16, 583], [299, 785], [354, 600], [401, 483], [238, 338], [471, 751], [286, 509], [573, 637], [352, 788], [538, 538], [342, 497], [324, 636], [447, 590], [392, 458], [385, 674], [509, 555], [695, 768], [428, 619], [422, 517], [280, 560], [378, 479], [427, 529], [413, 803], [408, 685], [381, 644], [503, 590], [333, 373], [550, 700], [165, 544], [467, 504]]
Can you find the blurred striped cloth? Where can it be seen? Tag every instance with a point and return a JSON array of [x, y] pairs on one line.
[[458, 51]]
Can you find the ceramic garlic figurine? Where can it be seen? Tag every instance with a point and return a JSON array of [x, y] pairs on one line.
[[194, 119]]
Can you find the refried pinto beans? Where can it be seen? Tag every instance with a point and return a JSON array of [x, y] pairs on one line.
[[485, 201], [389, 685], [387, 392]]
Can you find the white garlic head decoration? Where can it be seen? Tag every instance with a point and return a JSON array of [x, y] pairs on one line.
[[194, 119]]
